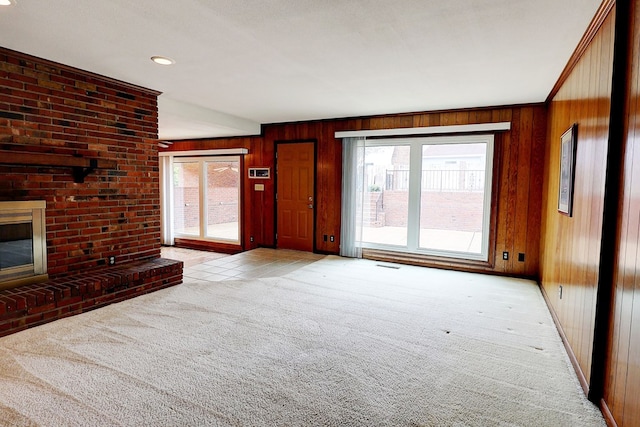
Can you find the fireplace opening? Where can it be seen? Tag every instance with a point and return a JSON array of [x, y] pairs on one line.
[[23, 249], [16, 245]]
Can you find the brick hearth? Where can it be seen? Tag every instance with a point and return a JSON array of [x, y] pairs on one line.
[[32, 305]]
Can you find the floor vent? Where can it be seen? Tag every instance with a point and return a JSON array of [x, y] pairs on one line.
[[395, 267]]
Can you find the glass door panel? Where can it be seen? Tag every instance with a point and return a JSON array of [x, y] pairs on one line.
[[223, 199], [452, 197], [16, 245], [186, 198], [386, 195]]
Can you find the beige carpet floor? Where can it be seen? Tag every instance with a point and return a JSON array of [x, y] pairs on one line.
[[338, 342]]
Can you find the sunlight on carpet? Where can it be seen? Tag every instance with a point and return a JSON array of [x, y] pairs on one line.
[[339, 342]]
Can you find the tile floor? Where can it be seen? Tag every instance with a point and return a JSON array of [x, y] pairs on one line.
[[257, 263], [190, 257]]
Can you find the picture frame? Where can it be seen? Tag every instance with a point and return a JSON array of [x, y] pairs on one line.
[[568, 148]]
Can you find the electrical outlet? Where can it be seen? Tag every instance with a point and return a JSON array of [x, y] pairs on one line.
[[521, 257], [505, 256], [332, 239], [112, 260], [251, 239]]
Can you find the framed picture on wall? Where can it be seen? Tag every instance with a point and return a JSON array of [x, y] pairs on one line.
[[567, 170]]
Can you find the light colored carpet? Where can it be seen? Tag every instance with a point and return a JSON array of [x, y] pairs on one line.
[[339, 342]]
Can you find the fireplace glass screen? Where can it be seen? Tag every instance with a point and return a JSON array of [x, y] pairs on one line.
[[23, 245], [16, 245]]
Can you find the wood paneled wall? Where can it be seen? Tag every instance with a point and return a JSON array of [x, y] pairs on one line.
[[622, 380], [520, 154], [570, 246]]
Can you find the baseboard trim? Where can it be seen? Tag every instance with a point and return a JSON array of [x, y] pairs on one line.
[[606, 413], [572, 356]]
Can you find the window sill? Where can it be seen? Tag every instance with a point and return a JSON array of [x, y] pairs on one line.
[[428, 260], [202, 245]]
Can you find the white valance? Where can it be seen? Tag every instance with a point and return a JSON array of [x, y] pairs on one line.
[[430, 130]]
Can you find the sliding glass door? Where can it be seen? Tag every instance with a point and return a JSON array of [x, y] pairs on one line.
[[206, 198], [428, 195], [186, 197], [454, 197], [223, 199], [386, 195]]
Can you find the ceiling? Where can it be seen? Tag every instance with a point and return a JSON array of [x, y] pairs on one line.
[[242, 63]]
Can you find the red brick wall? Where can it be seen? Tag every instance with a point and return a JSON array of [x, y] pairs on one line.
[[47, 108], [452, 210], [222, 208], [460, 211], [222, 196]]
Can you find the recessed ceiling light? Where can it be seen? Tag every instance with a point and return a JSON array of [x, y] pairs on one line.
[[162, 60], [6, 2]]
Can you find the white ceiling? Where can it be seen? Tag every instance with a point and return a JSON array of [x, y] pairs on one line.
[[240, 63]]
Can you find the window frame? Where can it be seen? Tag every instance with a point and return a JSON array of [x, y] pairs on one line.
[[203, 194], [414, 205]]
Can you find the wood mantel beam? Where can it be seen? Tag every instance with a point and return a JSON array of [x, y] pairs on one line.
[[82, 166]]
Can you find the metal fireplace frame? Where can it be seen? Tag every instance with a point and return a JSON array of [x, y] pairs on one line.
[[22, 212]]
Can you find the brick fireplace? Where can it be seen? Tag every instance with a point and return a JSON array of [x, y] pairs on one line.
[[87, 146]]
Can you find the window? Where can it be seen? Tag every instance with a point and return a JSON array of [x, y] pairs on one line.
[[223, 199], [386, 195], [186, 197], [429, 196], [206, 198], [452, 197]]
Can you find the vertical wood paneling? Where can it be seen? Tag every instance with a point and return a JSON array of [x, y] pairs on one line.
[[622, 386], [522, 187], [569, 255], [534, 222], [503, 199], [511, 188], [591, 202], [519, 173]]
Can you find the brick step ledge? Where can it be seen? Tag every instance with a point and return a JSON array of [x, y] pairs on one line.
[[32, 305]]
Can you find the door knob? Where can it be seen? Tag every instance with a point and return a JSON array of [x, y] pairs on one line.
[[310, 205]]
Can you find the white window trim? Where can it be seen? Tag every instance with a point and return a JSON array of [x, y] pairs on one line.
[[168, 232], [215, 152], [430, 130], [415, 178], [166, 201]]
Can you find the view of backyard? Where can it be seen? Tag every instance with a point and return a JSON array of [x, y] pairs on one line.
[[451, 197], [222, 197]]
